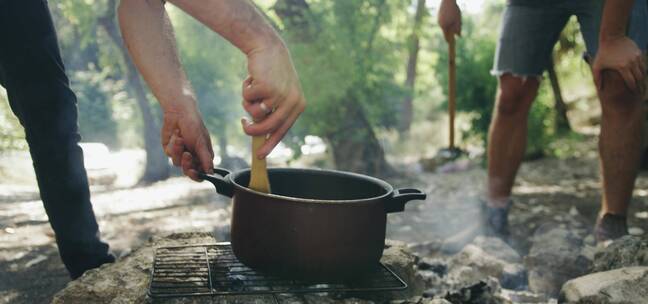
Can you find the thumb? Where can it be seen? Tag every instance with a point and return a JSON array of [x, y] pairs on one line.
[[447, 34]]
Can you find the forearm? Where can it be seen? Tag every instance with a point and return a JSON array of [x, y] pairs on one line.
[[148, 36], [615, 19], [238, 21]]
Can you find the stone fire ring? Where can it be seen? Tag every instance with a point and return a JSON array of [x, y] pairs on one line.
[[127, 280]]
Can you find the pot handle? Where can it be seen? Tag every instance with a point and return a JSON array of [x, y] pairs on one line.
[[401, 196], [223, 185]]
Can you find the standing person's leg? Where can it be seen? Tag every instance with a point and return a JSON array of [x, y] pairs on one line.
[[507, 136], [39, 95], [623, 116], [527, 37]]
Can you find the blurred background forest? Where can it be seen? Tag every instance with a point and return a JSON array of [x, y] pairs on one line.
[[374, 73]]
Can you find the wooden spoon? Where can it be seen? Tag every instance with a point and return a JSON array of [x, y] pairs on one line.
[[259, 173]]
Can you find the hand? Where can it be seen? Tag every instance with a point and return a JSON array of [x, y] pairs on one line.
[[186, 141], [449, 19], [272, 95], [622, 55]]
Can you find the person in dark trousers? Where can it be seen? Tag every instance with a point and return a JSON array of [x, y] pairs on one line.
[[39, 92], [32, 72]]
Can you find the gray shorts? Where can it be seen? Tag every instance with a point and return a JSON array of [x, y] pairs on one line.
[[528, 33]]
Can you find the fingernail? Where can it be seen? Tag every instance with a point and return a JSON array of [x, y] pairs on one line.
[[245, 121]]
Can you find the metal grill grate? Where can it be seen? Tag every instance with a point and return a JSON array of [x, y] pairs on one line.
[[212, 269]]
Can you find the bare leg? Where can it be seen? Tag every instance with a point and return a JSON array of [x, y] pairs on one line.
[[619, 143], [508, 134]]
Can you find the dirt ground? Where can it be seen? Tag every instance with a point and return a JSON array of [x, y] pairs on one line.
[[546, 190]]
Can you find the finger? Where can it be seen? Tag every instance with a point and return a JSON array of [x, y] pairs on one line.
[[638, 75], [256, 91], [276, 136], [640, 66], [178, 149], [168, 128], [168, 147], [188, 167], [175, 150], [257, 110], [268, 125], [205, 155], [629, 79], [457, 29]]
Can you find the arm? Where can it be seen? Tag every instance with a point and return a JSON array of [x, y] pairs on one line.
[[272, 84], [617, 51], [148, 36], [449, 19]]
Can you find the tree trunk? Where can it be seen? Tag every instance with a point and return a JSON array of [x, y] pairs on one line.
[[157, 164], [355, 146], [561, 119], [413, 50]]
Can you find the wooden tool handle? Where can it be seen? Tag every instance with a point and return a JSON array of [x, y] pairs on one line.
[[259, 173], [452, 88]]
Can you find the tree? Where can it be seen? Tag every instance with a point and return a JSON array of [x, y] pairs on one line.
[[561, 119], [347, 66], [413, 47], [93, 18]]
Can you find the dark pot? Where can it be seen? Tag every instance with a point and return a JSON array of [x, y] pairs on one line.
[[316, 223]]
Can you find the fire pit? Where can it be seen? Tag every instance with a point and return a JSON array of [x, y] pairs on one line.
[[184, 258], [212, 269]]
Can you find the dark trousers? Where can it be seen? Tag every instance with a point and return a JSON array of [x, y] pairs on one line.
[[32, 72]]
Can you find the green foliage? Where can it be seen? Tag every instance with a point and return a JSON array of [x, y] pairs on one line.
[[216, 70], [12, 135], [95, 92], [352, 60], [476, 87]]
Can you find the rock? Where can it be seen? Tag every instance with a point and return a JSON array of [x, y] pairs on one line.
[[436, 266], [554, 258], [127, 280], [426, 249], [488, 257], [435, 301], [624, 285], [497, 248], [479, 293], [403, 263], [624, 252], [517, 296], [635, 231]]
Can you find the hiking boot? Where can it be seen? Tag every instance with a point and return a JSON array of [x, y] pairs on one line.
[[91, 264], [610, 227], [495, 220]]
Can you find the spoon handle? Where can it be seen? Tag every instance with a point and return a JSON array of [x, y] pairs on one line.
[[259, 173]]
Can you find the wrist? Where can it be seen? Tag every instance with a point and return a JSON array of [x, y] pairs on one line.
[[181, 103], [266, 42], [606, 38]]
